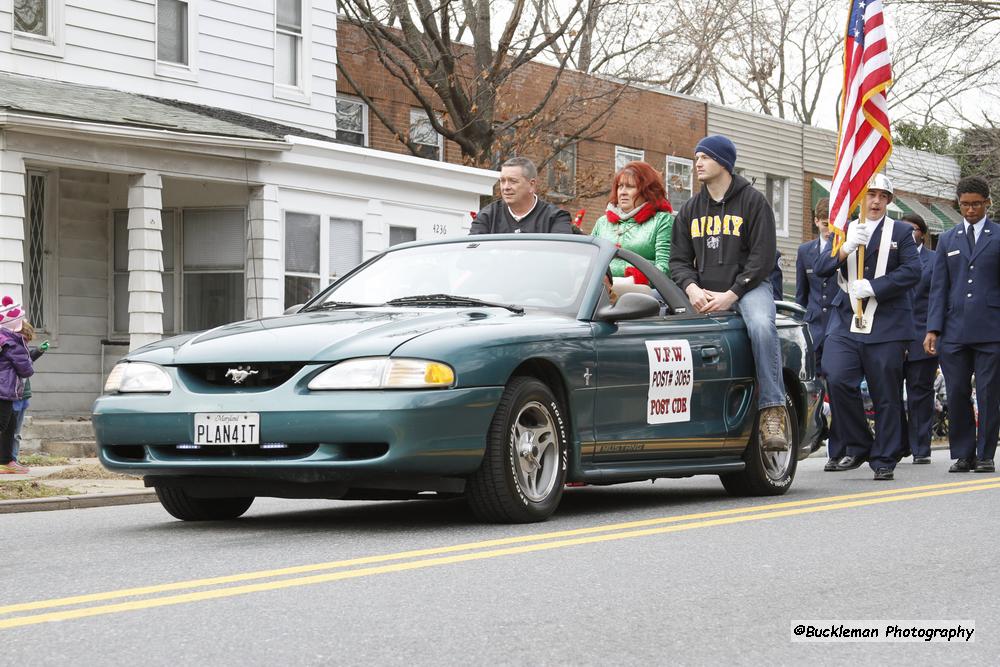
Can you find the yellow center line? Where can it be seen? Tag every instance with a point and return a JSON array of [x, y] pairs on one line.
[[860, 500], [437, 551]]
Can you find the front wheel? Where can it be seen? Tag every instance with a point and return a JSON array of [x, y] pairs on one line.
[[523, 471], [767, 473], [190, 508]]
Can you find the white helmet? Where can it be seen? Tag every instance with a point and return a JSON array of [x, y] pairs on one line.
[[880, 182]]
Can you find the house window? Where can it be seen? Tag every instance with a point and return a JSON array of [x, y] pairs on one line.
[[562, 172], [206, 285], [214, 252], [302, 257], [34, 269], [288, 43], [352, 121], [345, 246], [38, 26], [316, 256], [172, 31], [777, 196], [680, 172], [625, 155], [399, 235], [429, 143], [31, 17]]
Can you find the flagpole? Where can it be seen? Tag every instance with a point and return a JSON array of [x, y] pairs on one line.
[[858, 307]]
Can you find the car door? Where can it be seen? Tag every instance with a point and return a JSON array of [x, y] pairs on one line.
[[661, 383]]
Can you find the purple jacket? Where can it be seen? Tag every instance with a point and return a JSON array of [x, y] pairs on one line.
[[15, 365]]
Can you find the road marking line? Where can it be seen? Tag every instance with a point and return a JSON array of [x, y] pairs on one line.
[[876, 498], [468, 546]]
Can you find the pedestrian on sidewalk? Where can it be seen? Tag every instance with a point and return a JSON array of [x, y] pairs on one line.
[[21, 406], [15, 367]]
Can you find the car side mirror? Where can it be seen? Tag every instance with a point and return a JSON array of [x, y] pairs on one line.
[[630, 306], [291, 310]]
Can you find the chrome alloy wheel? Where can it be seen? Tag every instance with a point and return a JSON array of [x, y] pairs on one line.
[[536, 452], [776, 463]]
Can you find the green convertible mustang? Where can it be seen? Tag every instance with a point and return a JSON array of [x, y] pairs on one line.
[[494, 367]]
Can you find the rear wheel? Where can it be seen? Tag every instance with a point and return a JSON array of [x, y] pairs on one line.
[[767, 473], [189, 508], [523, 471]]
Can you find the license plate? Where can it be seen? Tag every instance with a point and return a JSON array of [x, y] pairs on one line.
[[227, 428]]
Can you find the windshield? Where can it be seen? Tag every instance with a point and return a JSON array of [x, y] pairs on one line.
[[538, 274]]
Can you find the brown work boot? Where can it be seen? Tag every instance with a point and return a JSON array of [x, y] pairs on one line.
[[772, 432]]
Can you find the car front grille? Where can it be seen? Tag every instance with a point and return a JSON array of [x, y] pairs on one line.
[[249, 375]]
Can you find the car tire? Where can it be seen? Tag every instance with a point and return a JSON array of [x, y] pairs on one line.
[[523, 471], [766, 473], [189, 508]]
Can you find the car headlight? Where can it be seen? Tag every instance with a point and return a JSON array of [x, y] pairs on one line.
[[385, 373], [138, 377]]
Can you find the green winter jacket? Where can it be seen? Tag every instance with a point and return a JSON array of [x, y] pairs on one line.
[[651, 239]]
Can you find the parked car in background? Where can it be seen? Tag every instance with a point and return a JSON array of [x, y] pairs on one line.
[[495, 367]]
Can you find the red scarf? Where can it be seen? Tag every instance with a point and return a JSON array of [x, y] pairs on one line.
[[646, 211]]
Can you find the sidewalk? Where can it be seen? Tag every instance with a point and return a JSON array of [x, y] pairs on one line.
[[78, 492]]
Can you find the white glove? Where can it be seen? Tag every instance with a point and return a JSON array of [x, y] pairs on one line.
[[862, 289], [857, 236]]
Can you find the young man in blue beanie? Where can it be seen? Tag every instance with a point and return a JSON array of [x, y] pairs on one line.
[[722, 252]]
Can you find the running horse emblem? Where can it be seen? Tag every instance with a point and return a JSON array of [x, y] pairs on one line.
[[239, 374]]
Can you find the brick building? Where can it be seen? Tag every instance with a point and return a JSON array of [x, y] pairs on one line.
[[658, 127]]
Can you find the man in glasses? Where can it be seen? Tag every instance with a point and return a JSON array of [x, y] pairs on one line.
[[963, 327]]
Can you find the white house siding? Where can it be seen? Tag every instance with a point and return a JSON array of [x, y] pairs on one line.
[[819, 151], [68, 377], [112, 44], [380, 189], [767, 145]]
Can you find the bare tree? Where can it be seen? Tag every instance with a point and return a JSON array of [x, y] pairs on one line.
[[951, 56], [780, 55], [665, 43], [475, 92]]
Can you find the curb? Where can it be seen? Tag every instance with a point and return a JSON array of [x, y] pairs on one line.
[[81, 501]]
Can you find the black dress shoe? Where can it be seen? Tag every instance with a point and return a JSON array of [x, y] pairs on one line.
[[883, 474], [830, 466], [963, 465], [921, 459], [986, 465], [850, 462]]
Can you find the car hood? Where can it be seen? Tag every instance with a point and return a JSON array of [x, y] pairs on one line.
[[312, 336]]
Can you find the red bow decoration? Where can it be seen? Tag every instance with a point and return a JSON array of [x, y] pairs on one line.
[[638, 276]]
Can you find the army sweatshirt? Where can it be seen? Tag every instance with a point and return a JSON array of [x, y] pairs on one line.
[[724, 245]]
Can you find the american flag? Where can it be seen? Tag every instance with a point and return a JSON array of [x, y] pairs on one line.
[[864, 143]]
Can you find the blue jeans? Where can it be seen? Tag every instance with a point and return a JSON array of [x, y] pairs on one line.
[[757, 309]]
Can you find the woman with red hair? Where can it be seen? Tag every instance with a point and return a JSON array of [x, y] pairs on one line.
[[639, 218]]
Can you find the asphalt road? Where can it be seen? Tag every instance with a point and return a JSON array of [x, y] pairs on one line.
[[672, 572]]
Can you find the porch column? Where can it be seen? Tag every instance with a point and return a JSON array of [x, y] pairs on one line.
[[12, 175], [145, 260], [264, 274]]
